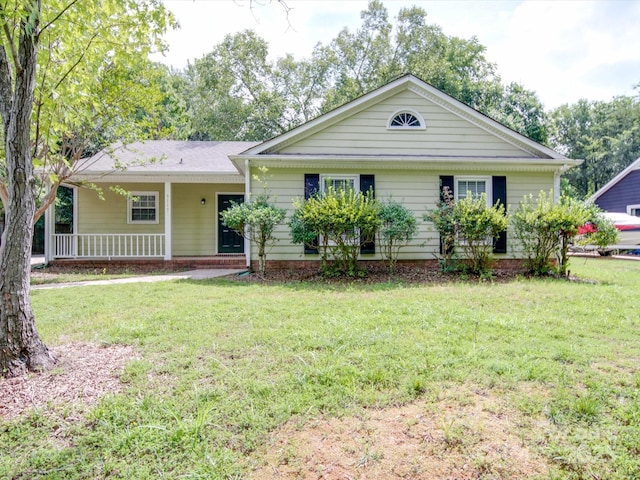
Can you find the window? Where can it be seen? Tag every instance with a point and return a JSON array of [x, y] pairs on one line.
[[339, 182], [633, 210], [406, 119], [474, 186], [143, 207]]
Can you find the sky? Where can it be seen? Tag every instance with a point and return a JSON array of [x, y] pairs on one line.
[[562, 50]]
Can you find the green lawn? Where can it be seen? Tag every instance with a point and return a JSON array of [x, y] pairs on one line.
[[225, 363]]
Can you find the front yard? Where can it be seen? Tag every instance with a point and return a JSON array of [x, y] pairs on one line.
[[226, 379]]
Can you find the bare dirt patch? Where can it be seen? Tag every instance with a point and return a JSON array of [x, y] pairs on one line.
[[85, 372], [477, 438]]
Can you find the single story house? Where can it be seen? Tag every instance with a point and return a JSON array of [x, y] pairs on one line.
[[622, 193], [406, 140]]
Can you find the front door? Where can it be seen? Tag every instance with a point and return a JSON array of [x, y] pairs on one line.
[[228, 240]]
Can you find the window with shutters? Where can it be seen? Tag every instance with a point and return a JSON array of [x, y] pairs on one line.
[[339, 182], [474, 187], [143, 207]]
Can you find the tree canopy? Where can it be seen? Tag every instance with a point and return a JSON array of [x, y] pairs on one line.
[[236, 93]]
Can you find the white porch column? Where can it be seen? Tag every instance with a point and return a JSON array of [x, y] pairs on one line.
[[49, 229], [167, 220], [247, 197]]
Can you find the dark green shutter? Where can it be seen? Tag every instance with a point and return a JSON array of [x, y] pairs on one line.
[[446, 181], [367, 182], [499, 188], [311, 187]]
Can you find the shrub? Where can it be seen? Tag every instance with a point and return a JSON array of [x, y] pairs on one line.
[[256, 220], [342, 221], [469, 224], [476, 224], [398, 227], [537, 234], [443, 220], [545, 228]]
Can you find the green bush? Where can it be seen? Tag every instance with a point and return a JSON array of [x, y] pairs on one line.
[[470, 225], [398, 227], [255, 220], [443, 220], [476, 224], [545, 229], [342, 220]]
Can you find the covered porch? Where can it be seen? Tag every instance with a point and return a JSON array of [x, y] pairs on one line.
[[167, 222]]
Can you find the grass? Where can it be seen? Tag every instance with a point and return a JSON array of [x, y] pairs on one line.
[[225, 363]]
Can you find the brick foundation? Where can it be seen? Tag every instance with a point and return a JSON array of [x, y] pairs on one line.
[[511, 264]]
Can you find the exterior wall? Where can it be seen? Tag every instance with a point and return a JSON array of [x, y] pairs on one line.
[[418, 190], [194, 226], [625, 192], [110, 215], [366, 133]]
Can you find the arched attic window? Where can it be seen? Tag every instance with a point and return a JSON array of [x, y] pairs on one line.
[[406, 120]]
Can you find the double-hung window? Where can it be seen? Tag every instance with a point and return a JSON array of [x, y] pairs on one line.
[[474, 187], [143, 207], [339, 182]]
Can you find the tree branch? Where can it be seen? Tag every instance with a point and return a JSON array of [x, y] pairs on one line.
[[14, 53], [62, 12], [6, 89]]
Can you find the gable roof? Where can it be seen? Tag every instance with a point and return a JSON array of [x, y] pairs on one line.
[[634, 166], [419, 87], [164, 157]]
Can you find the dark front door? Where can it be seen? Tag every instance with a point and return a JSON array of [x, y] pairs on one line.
[[228, 240]]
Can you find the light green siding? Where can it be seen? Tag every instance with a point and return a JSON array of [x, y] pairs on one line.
[[418, 190], [194, 226], [110, 215], [446, 134]]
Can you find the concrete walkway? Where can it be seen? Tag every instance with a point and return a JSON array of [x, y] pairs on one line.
[[202, 274]]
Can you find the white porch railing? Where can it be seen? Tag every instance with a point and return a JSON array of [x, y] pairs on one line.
[[108, 245]]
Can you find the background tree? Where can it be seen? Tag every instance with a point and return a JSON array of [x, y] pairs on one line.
[[236, 93], [606, 135], [73, 43]]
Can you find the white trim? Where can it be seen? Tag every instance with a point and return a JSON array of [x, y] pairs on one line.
[[634, 166], [75, 209], [155, 194], [49, 227], [167, 220], [475, 178], [633, 207], [217, 217], [421, 127], [247, 197]]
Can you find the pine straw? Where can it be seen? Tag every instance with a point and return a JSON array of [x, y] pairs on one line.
[[85, 373]]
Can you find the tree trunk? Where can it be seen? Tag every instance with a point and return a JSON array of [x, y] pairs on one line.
[[21, 349]]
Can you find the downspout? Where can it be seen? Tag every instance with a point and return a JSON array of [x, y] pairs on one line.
[[247, 197]]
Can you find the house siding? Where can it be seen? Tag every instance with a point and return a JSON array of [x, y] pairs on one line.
[[194, 226], [417, 190], [625, 192], [109, 215], [366, 133]]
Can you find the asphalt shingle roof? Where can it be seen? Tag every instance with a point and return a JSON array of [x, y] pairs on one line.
[[168, 156]]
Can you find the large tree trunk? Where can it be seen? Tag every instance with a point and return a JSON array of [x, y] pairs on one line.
[[21, 349]]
